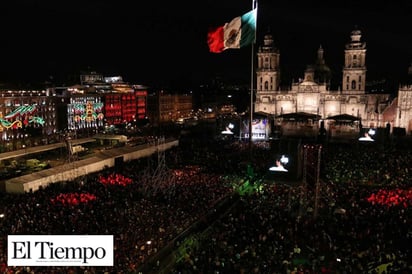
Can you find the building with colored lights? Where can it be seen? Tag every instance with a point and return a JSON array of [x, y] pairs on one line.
[[31, 117], [99, 102], [25, 114]]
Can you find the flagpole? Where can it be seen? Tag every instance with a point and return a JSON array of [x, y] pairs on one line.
[[254, 5], [251, 101]]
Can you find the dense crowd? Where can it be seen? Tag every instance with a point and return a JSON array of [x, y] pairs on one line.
[[127, 204], [362, 225], [362, 222]]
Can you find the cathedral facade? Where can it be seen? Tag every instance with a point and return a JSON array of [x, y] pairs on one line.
[[312, 94], [403, 116]]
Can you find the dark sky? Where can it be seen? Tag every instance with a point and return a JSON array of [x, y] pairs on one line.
[[163, 43]]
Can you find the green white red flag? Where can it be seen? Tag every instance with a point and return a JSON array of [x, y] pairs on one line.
[[238, 33]]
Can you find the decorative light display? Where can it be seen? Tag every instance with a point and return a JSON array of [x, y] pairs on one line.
[[22, 115], [85, 112], [89, 112]]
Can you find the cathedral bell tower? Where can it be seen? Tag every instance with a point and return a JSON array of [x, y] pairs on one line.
[[323, 73], [354, 71], [267, 72]]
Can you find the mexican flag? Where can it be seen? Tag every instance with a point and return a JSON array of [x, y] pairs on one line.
[[238, 33]]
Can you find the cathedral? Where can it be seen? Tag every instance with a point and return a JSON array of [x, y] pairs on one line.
[[403, 113], [313, 95]]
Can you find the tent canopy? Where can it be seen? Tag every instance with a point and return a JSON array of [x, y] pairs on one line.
[[343, 118], [301, 116]]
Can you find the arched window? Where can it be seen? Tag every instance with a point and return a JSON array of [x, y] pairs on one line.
[[353, 84], [266, 85]]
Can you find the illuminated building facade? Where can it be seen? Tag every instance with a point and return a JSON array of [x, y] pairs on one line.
[[26, 118], [99, 102], [141, 105], [29, 118], [403, 116], [312, 94], [85, 113], [125, 104], [113, 109], [164, 107]]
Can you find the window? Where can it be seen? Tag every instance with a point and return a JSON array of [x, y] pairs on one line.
[[353, 84], [266, 65], [355, 61]]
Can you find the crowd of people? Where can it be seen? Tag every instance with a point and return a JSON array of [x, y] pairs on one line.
[[363, 224], [142, 218], [271, 230]]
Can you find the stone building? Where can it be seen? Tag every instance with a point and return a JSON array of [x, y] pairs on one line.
[[403, 118], [312, 94], [164, 107], [27, 117]]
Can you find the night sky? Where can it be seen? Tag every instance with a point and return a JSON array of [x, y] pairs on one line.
[[163, 43]]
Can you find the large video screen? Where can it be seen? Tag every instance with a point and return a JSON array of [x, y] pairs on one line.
[[285, 161], [280, 164], [368, 135], [228, 127], [260, 129]]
